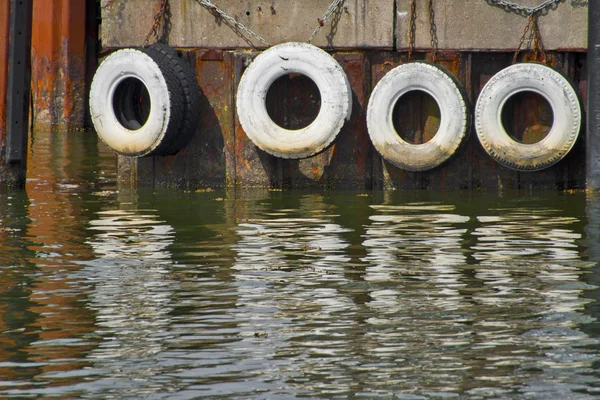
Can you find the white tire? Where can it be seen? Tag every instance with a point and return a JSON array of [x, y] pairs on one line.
[[528, 77], [454, 113], [280, 60], [122, 87]]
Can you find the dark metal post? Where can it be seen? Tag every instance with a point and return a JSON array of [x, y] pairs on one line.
[[593, 111], [19, 80]]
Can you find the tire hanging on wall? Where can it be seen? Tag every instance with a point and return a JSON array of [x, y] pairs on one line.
[[280, 60], [137, 103], [560, 94], [451, 100], [191, 92]]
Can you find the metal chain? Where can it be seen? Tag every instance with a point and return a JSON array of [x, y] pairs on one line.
[[521, 10], [533, 29], [432, 31], [412, 28], [334, 6], [525, 32], [217, 11], [158, 19], [538, 45], [232, 21]]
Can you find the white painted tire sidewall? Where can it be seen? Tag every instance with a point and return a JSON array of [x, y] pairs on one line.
[[550, 84], [280, 60], [454, 121], [123, 64]]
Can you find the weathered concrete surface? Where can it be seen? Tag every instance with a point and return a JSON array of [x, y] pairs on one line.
[[359, 24], [460, 25], [58, 63], [478, 25]]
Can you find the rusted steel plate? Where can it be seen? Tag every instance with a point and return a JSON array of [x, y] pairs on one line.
[[206, 153], [478, 25], [358, 24], [58, 63], [350, 163], [253, 167]]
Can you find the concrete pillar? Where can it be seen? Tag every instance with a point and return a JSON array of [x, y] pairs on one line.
[[593, 114], [58, 64]]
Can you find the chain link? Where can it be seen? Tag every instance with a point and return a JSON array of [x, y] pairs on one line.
[[412, 28], [521, 10], [238, 25], [332, 8], [432, 31], [232, 21], [533, 29], [158, 19]]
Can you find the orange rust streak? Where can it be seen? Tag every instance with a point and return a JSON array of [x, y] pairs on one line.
[[55, 20], [58, 51], [46, 27]]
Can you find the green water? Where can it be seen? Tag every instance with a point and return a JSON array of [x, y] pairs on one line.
[[276, 295]]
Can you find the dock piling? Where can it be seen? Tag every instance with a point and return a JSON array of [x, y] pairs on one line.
[[19, 80], [593, 111]]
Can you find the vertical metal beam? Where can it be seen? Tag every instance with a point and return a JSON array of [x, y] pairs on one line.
[[19, 80], [4, 39], [593, 114]]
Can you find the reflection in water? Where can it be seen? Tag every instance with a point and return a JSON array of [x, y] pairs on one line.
[[262, 294], [131, 290]]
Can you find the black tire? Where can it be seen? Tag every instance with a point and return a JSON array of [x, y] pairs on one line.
[[188, 82]]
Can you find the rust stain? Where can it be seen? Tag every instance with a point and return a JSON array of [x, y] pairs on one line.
[[58, 66], [210, 55]]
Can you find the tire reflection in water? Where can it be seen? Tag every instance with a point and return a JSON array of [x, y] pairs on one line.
[[289, 269], [488, 303], [529, 264], [132, 291], [418, 313]]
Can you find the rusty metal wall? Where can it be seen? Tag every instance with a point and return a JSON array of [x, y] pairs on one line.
[[58, 64], [221, 154]]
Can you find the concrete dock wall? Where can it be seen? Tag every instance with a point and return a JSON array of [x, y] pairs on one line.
[[360, 24], [475, 40]]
